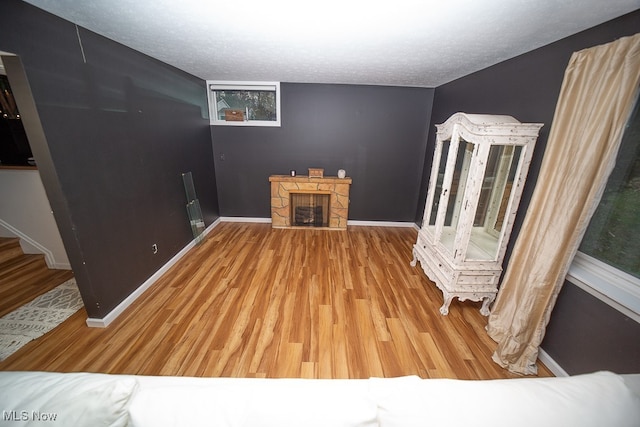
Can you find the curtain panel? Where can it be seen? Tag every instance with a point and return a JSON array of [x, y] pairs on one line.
[[597, 95]]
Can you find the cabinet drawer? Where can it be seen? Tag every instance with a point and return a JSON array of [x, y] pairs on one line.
[[439, 264], [478, 279], [422, 241]]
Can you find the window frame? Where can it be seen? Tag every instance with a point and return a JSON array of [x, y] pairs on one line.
[[216, 85], [612, 286]]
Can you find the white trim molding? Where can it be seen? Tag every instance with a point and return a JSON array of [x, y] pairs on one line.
[[31, 246], [609, 284], [357, 223], [553, 366], [244, 219], [93, 322]]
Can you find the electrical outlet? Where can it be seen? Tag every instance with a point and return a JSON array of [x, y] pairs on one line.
[[154, 248]]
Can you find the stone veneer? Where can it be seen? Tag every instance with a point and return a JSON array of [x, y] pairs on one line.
[[337, 188]]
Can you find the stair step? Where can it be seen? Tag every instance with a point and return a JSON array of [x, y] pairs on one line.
[[23, 277], [18, 265], [10, 249]]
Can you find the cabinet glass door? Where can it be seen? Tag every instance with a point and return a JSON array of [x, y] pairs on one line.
[[437, 190], [493, 202], [456, 194]]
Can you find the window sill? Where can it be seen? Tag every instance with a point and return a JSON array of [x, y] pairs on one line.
[[612, 286], [18, 167], [245, 123]]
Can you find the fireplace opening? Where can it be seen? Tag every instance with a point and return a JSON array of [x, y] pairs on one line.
[[309, 209]]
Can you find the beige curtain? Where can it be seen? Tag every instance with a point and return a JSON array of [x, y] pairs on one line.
[[599, 87]]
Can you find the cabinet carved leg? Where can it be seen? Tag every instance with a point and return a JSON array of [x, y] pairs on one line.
[[484, 310], [414, 260], [444, 310]]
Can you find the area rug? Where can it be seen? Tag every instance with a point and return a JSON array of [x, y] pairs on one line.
[[38, 317]]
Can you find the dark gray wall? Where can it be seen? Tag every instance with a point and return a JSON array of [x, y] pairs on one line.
[[585, 335], [527, 88], [116, 130], [377, 134]]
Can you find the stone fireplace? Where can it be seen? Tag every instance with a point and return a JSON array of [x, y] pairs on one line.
[[303, 201]]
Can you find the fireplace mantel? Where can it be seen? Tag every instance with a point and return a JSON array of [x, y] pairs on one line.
[[283, 185]]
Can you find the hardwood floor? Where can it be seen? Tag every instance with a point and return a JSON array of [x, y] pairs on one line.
[[251, 301]]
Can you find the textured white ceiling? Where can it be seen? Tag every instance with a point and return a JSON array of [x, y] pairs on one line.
[[394, 42]]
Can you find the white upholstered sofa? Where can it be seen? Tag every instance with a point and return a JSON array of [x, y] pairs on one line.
[[84, 399]]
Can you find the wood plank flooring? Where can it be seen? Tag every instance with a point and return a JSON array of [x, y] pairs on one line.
[[252, 301]]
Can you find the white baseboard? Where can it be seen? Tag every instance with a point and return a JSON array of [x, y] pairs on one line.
[[59, 266], [553, 366], [244, 219], [380, 223], [113, 314], [355, 223]]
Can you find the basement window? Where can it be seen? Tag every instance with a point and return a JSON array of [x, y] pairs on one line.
[[244, 103]]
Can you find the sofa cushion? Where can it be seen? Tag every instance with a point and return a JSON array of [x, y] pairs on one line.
[[596, 399], [74, 399], [226, 402]]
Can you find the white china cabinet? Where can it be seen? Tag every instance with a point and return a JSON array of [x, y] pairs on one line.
[[479, 167]]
